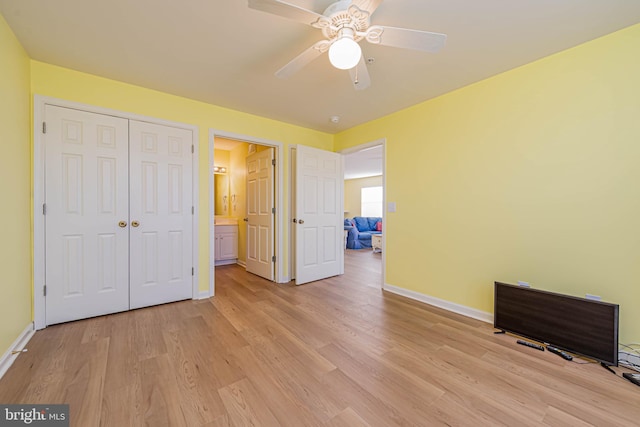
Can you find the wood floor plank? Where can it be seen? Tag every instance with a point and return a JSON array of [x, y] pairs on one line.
[[268, 382], [461, 404], [161, 404], [123, 406], [557, 418], [410, 395], [245, 407], [375, 411], [197, 386], [86, 371], [148, 340], [348, 418], [276, 342], [123, 363], [337, 352]]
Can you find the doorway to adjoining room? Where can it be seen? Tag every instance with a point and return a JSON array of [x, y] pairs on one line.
[[364, 209]]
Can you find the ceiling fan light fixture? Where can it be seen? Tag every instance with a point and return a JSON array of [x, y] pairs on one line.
[[345, 53]]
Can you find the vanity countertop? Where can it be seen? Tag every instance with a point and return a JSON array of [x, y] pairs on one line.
[[225, 221]]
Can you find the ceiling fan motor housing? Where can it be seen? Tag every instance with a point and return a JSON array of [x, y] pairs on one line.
[[340, 15]]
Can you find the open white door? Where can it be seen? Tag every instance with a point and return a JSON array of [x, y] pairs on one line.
[[161, 214], [87, 212], [260, 214], [319, 233]]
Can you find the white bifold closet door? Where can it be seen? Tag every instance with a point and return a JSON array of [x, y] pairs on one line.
[[161, 217], [118, 214]]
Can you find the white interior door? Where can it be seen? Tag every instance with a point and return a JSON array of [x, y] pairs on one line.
[[260, 213], [319, 214], [161, 214], [87, 197]]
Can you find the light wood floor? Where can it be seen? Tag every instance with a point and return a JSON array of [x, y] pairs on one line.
[[339, 352]]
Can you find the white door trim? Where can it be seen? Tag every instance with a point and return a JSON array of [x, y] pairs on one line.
[[383, 142], [39, 102], [280, 217]]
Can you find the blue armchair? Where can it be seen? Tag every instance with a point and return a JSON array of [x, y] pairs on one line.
[[360, 230]]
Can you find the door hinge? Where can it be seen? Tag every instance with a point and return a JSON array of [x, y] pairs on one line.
[[44, 209], [44, 290], [273, 258], [273, 210], [193, 271], [193, 210], [44, 127], [192, 149], [273, 162]]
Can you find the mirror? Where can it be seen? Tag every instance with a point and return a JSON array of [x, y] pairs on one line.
[[221, 183]]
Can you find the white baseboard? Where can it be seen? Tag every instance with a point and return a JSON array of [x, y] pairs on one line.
[[440, 303], [242, 263], [629, 357], [7, 358], [226, 262]]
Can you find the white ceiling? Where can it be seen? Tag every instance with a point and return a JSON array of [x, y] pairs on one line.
[[363, 163], [223, 53]]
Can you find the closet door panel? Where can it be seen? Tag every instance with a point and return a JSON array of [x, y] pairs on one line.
[[87, 197], [160, 212]]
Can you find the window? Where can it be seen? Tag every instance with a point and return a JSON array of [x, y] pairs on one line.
[[371, 201]]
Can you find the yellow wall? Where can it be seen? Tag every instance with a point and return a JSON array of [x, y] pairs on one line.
[[15, 189], [353, 193], [530, 175], [53, 81]]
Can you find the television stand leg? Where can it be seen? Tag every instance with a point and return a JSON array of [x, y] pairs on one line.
[[608, 368], [499, 332]]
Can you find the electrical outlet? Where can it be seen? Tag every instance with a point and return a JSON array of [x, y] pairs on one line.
[[594, 297], [524, 284]]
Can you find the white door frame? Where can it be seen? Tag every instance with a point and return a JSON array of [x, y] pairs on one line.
[[39, 102], [383, 142], [280, 277]]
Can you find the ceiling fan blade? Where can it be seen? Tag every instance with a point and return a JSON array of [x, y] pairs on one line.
[[406, 38], [368, 5], [286, 10], [297, 63], [360, 75]]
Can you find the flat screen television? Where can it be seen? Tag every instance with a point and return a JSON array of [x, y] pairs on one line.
[[578, 325]]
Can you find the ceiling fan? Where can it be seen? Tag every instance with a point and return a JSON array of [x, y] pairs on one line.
[[344, 24]]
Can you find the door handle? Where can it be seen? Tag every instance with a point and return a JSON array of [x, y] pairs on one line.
[[246, 219], [301, 221], [122, 224], [295, 221], [135, 223]]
